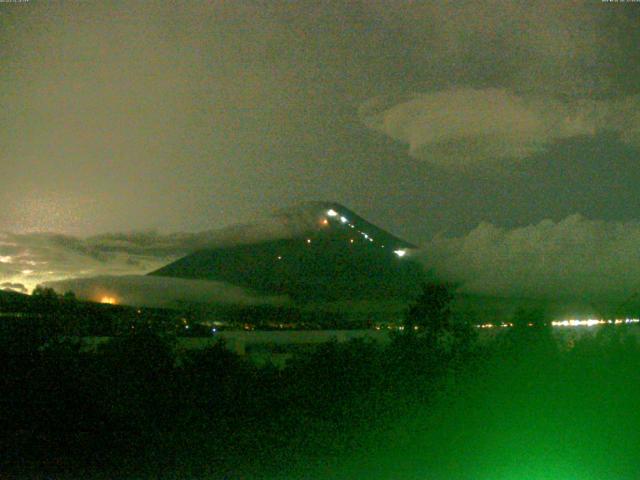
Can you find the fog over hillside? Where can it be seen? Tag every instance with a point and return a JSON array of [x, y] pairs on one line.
[[143, 290]]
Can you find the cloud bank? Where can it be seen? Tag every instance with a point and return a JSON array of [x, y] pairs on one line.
[[142, 290], [572, 257], [33, 258], [467, 127], [13, 287]]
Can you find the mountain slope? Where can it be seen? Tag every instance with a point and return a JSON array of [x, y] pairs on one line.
[[326, 252]]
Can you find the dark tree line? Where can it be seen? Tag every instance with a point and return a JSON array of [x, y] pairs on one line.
[[140, 407], [137, 404]]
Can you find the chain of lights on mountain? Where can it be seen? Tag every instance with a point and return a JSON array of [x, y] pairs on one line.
[[345, 221]]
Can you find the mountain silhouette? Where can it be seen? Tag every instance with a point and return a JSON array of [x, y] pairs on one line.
[[312, 251]]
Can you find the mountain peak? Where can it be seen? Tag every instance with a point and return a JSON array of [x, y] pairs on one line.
[[309, 250]]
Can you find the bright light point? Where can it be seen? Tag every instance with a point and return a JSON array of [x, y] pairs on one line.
[[343, 220], [351, 240], [6, 259], [108, 300], [365, 235], [325, 221], [400, 253], [279, 257], [592, 322], [308, 240], [332, 213]]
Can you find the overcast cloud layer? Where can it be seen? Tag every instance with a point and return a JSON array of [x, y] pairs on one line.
[[188, 116]]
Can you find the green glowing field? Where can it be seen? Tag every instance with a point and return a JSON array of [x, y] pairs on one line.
[[526, 414]]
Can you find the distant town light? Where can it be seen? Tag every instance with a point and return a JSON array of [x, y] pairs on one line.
[[401, 253], [591, 322], [325, 221], [308, 240], [108, 300], [279, 257], [351, 240], [343, 219], [332, 213], [573, 322]]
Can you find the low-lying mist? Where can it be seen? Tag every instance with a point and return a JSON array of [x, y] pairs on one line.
[[574, 257]]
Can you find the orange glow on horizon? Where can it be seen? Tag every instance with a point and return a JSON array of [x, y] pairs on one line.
[[109, 300]]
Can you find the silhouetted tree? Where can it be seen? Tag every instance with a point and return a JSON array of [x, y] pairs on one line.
[[137, 380], [44, 292], [45, 299], [69, 296], [430, 313]]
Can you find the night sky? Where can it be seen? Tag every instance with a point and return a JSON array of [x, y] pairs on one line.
[[486, 132]]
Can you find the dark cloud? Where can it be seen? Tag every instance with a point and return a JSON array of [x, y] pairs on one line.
[[562, 48], [512, 79]]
